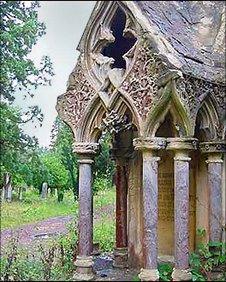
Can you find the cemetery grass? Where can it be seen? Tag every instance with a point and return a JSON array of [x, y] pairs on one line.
[[34, 209]]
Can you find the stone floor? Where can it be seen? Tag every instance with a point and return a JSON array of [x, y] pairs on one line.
[[105, 271]]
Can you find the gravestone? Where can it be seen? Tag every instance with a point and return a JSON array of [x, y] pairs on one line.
[[44, 190], [7, 187], [20, 193]]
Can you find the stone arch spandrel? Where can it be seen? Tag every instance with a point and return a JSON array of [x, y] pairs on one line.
[[143, 83], [74, 103]]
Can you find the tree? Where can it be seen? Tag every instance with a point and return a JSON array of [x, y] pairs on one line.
[[20, 30], [62, 144], [58, 175]]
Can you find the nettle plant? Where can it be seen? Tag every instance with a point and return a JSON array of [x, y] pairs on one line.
[[208, 258]]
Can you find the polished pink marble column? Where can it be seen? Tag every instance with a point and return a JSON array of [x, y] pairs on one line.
[[215, 163], [181, 210]]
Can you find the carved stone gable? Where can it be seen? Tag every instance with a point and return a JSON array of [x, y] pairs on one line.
[[72, 105]]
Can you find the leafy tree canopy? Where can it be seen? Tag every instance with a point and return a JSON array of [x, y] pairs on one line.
[[20, 30]]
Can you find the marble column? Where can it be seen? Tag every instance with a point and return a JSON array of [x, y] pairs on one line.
[[150, 205], [84, 261], [214, 162], [121, 248], [181, 146]]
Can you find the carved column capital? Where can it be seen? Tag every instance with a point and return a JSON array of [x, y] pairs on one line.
[[149, 144], [86, 150], [213, 147], [178, 144]]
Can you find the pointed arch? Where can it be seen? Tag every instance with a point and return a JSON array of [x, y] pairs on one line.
[[207, 120], [122, 105], [168, 104], [90, 131]]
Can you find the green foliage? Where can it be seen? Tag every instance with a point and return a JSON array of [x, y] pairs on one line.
[[62, 146], [33, 208], [207, 258], [20, 31], [104, 233], [57, 173], [53, 261], [103, 165], [19, 152], [165, 271]]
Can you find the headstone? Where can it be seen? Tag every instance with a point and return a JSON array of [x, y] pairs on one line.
[[20, 193], [7, 187], [44, 190]]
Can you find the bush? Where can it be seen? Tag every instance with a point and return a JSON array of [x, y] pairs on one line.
[[207, 259]]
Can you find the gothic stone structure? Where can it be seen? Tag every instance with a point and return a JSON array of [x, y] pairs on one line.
[[152, 74]]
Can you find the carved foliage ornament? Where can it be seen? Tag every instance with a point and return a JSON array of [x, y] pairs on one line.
[[72, 105], [113, 123], [86, 148], [141, 83]]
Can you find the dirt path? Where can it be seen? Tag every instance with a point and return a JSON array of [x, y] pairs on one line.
[[29, 234]]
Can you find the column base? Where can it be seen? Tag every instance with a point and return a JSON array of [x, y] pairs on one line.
[[149, 275], [181, 275], [120, 258], [84, 269]]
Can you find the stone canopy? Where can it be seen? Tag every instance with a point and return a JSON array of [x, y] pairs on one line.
[[152, 74], [178, 56]]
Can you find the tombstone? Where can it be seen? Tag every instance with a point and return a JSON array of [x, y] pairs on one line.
[[20, 193], [7, 189], [44, 190]]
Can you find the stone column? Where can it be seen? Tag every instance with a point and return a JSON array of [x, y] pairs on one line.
[[84, 261], [121, 248], [150, 205], [214, 161], [181, 146]]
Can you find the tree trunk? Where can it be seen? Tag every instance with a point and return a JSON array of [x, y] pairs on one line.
[[74, 183], [60, 195]]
